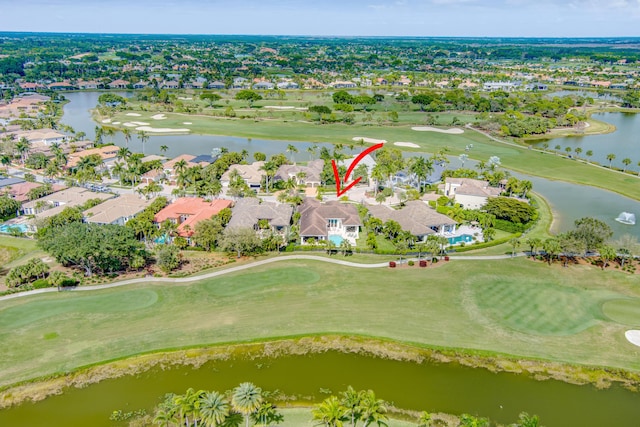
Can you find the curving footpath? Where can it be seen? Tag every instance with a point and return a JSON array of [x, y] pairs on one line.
[[197, 278]]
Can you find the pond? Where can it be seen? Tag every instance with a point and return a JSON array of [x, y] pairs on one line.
[[433, 387]]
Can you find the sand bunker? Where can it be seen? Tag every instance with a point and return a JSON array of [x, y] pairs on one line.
[[406, 144], [133, 114], [134, 124], [455, 131], [158, 117], [160, 130], [633, 336], [116, 123], [187, 123], [369, 140], [285, 107], [106, 121]]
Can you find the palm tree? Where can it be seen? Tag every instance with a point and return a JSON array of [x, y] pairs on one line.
[[143, 137], [123, 153], [126, 132], [607, 253], [611, 157], [292, 149], [188, 405], [373, 410], [526, 420], [463, 158], [626, 162], [351, 401], [22, 147], [578, 150], [330, 412], [589, 153], [552, 247], [312, 150], [246, 399], [424, 420], [270, 170], [533, 243], [214, 408], [119, 170], [421, 168], [110, 132], [99, 131], [164, 148], [514, 245]]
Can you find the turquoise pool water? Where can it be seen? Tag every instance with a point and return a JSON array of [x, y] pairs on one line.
[[467, 238], [5, 228], [336, 239]]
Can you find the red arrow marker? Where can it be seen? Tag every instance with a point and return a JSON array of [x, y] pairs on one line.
[[339, 189]]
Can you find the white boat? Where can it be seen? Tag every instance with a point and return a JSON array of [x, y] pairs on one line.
[[626, 218]]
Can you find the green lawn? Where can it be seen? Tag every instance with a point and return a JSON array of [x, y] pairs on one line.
[[516, 307], [15, 251], [301, 417], [518, 158]]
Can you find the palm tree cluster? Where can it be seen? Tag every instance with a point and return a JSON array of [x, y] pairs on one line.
[[351, 407], [194, 408]]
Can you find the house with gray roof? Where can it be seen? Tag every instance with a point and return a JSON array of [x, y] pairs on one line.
[[308, 175], [264, 217], [417, 218], [332, 220], [116, 211], [470, 193]]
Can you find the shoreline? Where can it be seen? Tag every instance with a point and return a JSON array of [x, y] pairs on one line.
[[40, 388]]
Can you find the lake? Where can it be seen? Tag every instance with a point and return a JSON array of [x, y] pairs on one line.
[[624, 142], [433, 387]]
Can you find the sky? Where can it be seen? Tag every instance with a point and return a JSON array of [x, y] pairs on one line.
[[441, 18]]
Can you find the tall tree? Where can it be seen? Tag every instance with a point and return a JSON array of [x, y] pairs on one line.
[[246, 399]]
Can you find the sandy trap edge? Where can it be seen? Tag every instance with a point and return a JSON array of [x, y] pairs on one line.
[[633, 336]]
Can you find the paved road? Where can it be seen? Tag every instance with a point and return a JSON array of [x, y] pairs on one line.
[[196, 278]]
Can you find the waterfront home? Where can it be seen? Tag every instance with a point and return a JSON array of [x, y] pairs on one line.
[[119, 84], [308, 175], [332, 220], [171, 172], [417, 218], [264, 217], [251, 174], [187, 212], [106, 153], [470, 193], [116, 211]]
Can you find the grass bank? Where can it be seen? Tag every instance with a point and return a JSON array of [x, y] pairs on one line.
[[517, 307], [305, 346]]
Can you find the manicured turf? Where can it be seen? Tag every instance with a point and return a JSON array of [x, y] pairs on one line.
[[513, 306], [625, 311], [537, 307]]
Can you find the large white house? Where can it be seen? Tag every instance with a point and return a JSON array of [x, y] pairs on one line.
[[470, 193]]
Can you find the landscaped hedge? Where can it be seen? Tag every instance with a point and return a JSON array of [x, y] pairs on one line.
[[486, 244], [510, 227]]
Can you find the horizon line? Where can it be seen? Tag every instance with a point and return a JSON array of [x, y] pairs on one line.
[[635, 37]]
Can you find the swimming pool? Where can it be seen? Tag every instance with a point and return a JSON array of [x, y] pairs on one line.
[[336, 239], [6, 228], [467, 238]]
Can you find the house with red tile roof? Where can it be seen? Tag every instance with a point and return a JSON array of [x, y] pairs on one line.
[[188, 211]]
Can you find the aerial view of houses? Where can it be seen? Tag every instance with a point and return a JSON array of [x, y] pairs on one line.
[[297, 230]]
